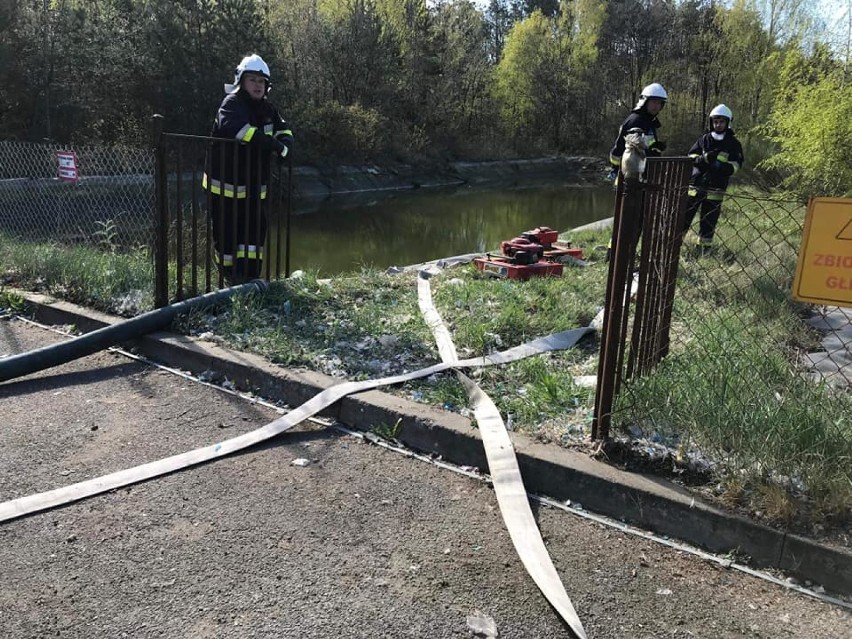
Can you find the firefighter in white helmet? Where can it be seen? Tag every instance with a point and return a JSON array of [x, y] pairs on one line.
[[238, 171], [716, 156], [643, 116]]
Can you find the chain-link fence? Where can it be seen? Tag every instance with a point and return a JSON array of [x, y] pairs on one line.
[[755, 384], [104, 197]]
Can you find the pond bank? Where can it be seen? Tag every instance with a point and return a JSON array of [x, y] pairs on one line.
[[316, 182]]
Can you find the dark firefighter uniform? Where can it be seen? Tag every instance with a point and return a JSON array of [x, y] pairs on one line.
[[714, 162], [638, 118], [237, 177]]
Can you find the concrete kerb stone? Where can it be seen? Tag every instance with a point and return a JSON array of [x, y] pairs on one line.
[[647, 502]]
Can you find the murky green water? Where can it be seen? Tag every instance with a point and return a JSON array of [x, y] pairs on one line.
[[419, 226]]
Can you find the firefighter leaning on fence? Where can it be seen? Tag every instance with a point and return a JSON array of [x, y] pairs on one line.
[[716, 155], [643, 116], [238, 202]]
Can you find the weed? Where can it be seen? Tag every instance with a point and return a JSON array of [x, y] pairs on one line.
[[386, 431], [12, 301]]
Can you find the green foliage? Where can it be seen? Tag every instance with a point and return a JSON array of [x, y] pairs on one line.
[[811, 123], [545, 65], [480, 80], [349, 132]]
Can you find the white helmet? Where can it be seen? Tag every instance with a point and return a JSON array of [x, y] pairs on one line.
[[720, 110], [250, 64], [654, 90]]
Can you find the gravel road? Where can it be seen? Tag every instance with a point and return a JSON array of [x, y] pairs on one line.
[[360, 542]]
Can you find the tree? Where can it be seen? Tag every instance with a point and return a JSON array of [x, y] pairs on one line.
[[811, 123], [545, 64]]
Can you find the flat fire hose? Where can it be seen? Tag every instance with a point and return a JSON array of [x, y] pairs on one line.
[[505, 473], [67, 494]]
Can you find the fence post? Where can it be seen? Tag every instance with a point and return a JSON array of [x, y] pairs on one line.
[[161, 243]]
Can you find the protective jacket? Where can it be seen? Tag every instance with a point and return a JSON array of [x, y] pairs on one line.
[[714, 162], [649, 124], [237, 175], [257, 124]]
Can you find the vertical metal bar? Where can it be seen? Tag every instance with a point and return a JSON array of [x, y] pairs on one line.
[[611, 340], [235, 226], [194, 231], [279, 221], [179, 219], [161, 243], [208, 222], [259, 234], [223, 202], [287, 211]]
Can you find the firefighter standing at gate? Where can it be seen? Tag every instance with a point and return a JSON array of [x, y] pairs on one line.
[[239, 191], [716, 155], [643, 116]]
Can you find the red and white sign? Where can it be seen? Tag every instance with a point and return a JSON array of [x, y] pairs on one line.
[[67, 161]]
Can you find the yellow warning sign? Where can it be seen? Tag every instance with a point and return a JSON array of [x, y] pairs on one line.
[[824, 270]]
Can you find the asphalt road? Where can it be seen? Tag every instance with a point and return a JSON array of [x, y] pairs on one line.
[[360, 542]]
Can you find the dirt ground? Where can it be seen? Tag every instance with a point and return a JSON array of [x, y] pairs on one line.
[[361, 542]]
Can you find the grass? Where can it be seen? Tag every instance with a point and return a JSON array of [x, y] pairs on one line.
[[733, 391], [93, 276]]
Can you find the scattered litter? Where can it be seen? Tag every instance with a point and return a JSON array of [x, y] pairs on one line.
[[586, 381], [664, 591], [301, 461], [482, 625]]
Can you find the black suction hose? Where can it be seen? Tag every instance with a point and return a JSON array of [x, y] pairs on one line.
[[49, 356]]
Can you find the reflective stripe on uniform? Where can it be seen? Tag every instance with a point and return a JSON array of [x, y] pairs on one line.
[[251, 253], [715, 196], [246, 133], [615, 161], [223, 260], [287, 132], [215, 187]]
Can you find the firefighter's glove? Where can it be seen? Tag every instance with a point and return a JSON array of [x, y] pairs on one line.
[[725, 168], [283, 150], [710, 157], [700, 163]]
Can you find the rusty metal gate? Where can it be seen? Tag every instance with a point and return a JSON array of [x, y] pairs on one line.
[[185, 263], [651, 211]]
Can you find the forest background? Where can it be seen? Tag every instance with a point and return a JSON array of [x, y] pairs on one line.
[[426, 81]]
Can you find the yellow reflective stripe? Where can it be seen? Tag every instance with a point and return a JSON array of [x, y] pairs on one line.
[[246, 133], [736, 166], [715, 197], [615, 161], [268, 129], [723, 156], [215, 187], [692, 191], [284, 132], [224, 260], [694, 155], [251, 253]]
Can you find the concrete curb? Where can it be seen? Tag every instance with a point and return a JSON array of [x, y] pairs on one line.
[[647, 502]]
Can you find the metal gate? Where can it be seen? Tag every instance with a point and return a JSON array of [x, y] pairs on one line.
[[185, 263], [651, 211]]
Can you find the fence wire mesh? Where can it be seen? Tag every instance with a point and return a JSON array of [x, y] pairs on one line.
[[756, 384], [111, 203]]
